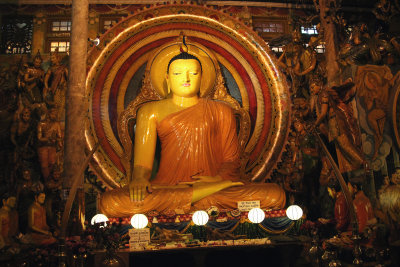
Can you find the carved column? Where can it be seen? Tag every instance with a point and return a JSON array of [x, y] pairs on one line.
[[331, 45], [75, 97], [76, 107]]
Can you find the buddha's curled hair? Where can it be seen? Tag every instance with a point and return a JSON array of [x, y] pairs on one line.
[[183, 55]]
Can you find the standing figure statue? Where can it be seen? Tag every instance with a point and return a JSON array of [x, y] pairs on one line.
[[33, 84], [22, 136], [332, 105], [49, 137], [55, 85], [199, 165], [297, 62]]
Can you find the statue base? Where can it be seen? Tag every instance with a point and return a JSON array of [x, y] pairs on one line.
[[223, 225]]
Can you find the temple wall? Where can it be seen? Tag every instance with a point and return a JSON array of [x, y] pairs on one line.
[[377, 114]]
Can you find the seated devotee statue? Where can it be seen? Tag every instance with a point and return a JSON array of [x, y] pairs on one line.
[[8, 221], [200, 161], [38, 230]]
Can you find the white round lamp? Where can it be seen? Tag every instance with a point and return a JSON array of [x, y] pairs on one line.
[[99, 218], [139, 221], [294, 212], [200, 217], [256, 215]]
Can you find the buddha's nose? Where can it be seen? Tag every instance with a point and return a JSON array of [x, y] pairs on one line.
[[187, 76]]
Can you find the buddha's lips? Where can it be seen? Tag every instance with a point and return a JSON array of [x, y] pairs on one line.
[[186, 84]]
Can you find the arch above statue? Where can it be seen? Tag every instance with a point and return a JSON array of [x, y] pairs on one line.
[[246, 74]]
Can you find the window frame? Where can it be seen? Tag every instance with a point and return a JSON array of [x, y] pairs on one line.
[[270, 35], [104, 18], [59, 19], [57, 36], [57, 39]]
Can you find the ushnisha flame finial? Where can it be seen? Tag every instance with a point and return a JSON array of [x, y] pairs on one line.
[[184, 48]]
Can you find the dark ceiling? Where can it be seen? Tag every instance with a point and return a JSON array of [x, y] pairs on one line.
[[345, 3]]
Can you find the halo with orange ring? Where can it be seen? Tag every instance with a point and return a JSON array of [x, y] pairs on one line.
[[269, 106]]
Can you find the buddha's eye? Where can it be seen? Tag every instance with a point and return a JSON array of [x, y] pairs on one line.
[[176, 73], [194, 73]]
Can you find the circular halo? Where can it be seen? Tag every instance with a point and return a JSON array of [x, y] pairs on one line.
[[159, 64]]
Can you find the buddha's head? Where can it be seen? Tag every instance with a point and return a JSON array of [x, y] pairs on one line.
[[187, 54], [184, 75]]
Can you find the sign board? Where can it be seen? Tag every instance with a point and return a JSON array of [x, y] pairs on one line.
[[248, 205], [139, 238]]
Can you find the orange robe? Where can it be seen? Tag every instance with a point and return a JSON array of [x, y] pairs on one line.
[[363, 208], [37, 213], [199, 140]]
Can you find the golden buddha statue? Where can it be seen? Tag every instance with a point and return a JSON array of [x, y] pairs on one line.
[[200, 152]]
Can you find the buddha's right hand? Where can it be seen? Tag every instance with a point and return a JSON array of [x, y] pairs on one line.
[[138, 189]]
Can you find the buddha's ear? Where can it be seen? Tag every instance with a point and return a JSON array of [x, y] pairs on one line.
[[168, 85]]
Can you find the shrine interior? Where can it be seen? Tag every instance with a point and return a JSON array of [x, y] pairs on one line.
[[199, 133]]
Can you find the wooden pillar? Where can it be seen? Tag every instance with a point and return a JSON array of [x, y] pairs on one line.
[[75, 96], [331, 45], [76, 107]]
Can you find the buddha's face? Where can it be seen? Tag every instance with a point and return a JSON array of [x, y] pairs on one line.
[[184, 77]]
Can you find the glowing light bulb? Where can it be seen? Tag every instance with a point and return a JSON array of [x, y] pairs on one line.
[[200, 217], [294, 212], [256, 215], [139, 221], [99, 218]]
